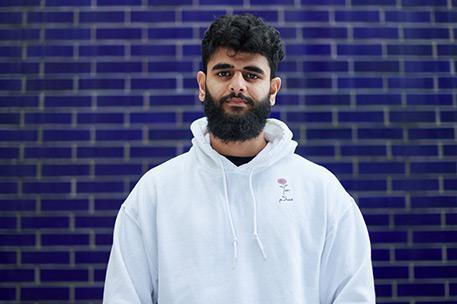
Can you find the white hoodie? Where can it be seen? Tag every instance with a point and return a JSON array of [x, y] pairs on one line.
[[277, 230]]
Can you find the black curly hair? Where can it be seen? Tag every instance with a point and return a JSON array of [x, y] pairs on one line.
[[243, 33]]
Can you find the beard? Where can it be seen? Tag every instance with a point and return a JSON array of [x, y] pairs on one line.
[[241, 125]]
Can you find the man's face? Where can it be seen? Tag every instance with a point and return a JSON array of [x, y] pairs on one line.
[[237, 93]]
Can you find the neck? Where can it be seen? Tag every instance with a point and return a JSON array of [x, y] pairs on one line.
[[247, 148]]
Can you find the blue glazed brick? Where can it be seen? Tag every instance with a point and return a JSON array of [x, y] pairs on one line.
[[119, 67], [446, 17], [46, 187], [169, 134], [441, 201], [450, 184], [19, 68], [323, 2], [374, 2], [378, 99], [132, 134], [428, 133], [151, 118], [152, 16], [8, 187], [187, 2], [384, 290], [309, 117], [329, 134], [170, 33], [316, 151], [359, 82], [95, 221], [438, 167], [310, 83], [64, 204], [410, 82], [108, 204], [201, 15], [66, 135], [357, 116], [155, 100], [66, 67], [378, 167], [363, 150], [153, 83], [100, 152], [155, 50], [19, 34], [268, 16], [49, 51], [305, 15], [376, 219], [422, 219], [326, 100], [390, 272], [10, 51], [378, 237], [8, 222], [101, 83], [427, 66], [376, 66], [113, 170], [9, 153], [17, 170], [411, 116], [446, 236], [426, 3], [410, 49], [375, 33], [67, 239], [16, 275], [339, 168], [100, 118], [447, 49], [450, 150], [101, 17], [44, 222], [380, 133], [426, 33], [49, 84], [414, 150], [427, 272], [119, 100], [407, 17], [45, 257], [17, 205], [91, 257], [44, 152], [307, 49], [383, 202], [148, 152], [101, 50], [447, 82], [65, 170], [170, 66], [49, 17], [45, 293], [48, 118], [67, 101], [8, 257], [18, 135], [103, 239], [380, 255], [118, 33], [19, 101], [76, 3], [67, 34], [9, 118], [357, 16], [287, 66], [22, 239], [100, 187], [415, 184], [418, 254], [10, 84], [118, 2], [324, 32], [420, 289], [88, 293], [70, 275], [19, 3], [325, 66], [191, 50], [429, 99]]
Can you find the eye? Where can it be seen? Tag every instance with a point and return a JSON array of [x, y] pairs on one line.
[[223, 74], [251, 76]]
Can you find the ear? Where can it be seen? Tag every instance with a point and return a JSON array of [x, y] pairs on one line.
[[201, 79], [275, 86]]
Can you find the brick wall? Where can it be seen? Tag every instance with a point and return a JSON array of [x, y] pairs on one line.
[[95, 92]]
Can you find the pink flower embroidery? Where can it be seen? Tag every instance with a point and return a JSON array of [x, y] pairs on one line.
[[282, 181]]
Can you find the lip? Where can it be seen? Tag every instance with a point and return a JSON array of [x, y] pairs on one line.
[[236, 101]]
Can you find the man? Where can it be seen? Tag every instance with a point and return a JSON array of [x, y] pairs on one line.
[[239, 218]]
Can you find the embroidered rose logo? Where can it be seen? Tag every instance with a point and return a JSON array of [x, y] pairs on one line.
[[285, 188]]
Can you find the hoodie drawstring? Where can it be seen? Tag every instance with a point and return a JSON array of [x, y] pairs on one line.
[[254, 220]]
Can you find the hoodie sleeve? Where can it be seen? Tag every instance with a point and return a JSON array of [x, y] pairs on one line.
[[128, 277], [346, 270]]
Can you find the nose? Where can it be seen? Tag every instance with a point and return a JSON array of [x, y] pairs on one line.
[[237, 83]]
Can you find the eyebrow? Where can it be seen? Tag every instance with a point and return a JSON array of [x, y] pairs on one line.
[[251, 68]]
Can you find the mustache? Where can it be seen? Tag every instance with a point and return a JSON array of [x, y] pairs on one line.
[[226, 98]]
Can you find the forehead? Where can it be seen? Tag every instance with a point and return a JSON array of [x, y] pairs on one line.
[[238, 60]]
